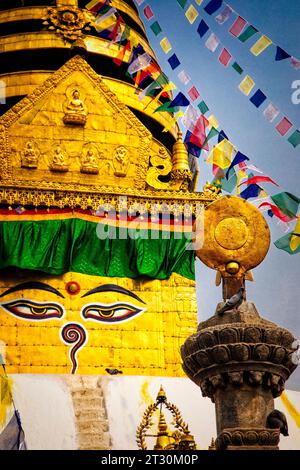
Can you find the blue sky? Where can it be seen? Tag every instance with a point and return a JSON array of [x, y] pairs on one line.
[[275, 291]]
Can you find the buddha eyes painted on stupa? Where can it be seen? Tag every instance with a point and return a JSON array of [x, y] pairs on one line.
[[102, 312]]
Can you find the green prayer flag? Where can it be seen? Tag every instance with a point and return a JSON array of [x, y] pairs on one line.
[[203, 107], [283, 243], [287, 203], [229, 184], [237, 68], [156, 28], [294, 139], [165, 108], [212, 133], [248, 33], [182, 3]]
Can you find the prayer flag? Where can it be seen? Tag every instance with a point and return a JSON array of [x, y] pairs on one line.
[[239, 157], [212, 42], [165, 45], [295, 63], [259, 179], [203, 107], [277, 212], [260, 45], [93, 3], [258, 98], [120, 57], [198, 2], [173, 61], [294, 139], [237, 68], [246, 85], [281, 54], [202, 28], [182, 3], [251, 191], [222, 136], [156, 28], [213, 122], [190, 117], [287, 203], [193, 93], [222, 17], [238, 26], [213, 6], [284, 243], [295, 238], [179, 100], [148, 12], [225, 57], [221, 154], [191, 14], [139, 63], [230, 182], [284, 126], [247, 33], [101, 18], [212, 133], [184, 77], [139, 2], [271, 112], [198, 133], [173, 122]]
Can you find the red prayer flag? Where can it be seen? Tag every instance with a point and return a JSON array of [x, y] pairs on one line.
[[148, 12], [284, 126], [193, 93], [259, 179], [198, 136], [225, 57], [238, 26], [277, 212]]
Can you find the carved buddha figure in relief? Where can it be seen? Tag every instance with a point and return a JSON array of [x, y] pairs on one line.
[[89, 162], [60, 161], [121, 161], [29, 156], [75, 110]]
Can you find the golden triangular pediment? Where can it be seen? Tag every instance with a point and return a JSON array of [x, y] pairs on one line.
[[74, 134]]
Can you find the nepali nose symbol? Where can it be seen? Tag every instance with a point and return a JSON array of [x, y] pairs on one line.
[[76, 335]]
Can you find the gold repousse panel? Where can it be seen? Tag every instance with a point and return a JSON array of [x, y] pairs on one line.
[[146, 344], [119, 144]]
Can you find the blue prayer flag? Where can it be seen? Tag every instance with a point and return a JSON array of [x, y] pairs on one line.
[[258, 98], [202, 28], [281, 54], [252, 190], [174, 61], [239, 158], [213, 6]]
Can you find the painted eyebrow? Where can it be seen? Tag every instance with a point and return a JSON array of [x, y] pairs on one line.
[[32, 285], [113, 288]]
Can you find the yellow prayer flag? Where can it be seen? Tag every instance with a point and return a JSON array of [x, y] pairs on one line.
[[165, 45], [260, 45], [221, 155], [173, 122], [191, 14], [198, 2], [213, 122], [295, 240], [246, 85], [240, 176]]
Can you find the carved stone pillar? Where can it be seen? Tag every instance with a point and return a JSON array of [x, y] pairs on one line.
[[238, 359], [241, 362]]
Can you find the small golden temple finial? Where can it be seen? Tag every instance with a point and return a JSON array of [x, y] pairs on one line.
[[166, 439], [212, 444], [180, 163]]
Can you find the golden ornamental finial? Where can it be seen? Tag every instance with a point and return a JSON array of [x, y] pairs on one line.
[[166, 439], [180, 163]]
